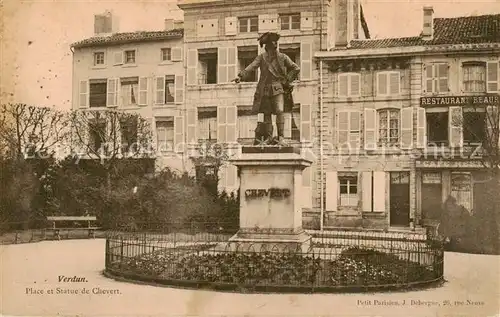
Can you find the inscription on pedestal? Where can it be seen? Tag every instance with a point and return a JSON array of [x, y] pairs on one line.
[[276, 193]]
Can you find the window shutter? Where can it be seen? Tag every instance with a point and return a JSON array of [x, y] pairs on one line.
[[192, 67], [370, 129], [143, 91], [332, 191], [118, 58], [306, 187], [379, 191], [221, 124], [177, 53], [429, 80], [222, 64], [342, 128], [493, 76], [306, 21], [493, 126], [343, 85], [305, 123], [305, 61], [421, 128], [287, 133], [160, 90], [231, 177], [231, 25], [231, 120], [355, 84], [366, 191], [354, 128], [394, 83], [442, 77], [406, 128], [178, 134], [191, 120], [179, 89], [455, 124], [232, 62], [83, 94], [112, 92], [382, 86]]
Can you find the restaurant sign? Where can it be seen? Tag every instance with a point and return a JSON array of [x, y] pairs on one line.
[[482, 100]]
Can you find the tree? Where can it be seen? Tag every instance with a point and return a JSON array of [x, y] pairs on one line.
[[109, 137], [28, 131]]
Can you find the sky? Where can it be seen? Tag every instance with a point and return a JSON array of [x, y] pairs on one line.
[[36, 56]]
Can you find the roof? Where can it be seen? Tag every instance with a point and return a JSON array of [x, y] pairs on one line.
[[460, 30], [120, 38]]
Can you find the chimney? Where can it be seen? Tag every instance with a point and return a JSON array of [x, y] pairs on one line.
[[103, 23], [428, 29], [169, 24], [347, 17]]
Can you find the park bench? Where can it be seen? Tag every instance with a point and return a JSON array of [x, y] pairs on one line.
[[89, 220]]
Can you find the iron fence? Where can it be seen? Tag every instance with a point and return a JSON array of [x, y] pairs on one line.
[[204, 256]]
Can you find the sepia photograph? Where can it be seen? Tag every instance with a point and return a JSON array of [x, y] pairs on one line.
[[245, 158]]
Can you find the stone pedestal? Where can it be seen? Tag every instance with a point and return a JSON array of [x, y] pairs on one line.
[[270, 207]]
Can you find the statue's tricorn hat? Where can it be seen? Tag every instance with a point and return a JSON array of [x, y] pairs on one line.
[[268, 37]]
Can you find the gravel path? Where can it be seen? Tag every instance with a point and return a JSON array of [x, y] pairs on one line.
[[28, 269]]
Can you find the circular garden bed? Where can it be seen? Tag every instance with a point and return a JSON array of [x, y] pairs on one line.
[[204, 265]]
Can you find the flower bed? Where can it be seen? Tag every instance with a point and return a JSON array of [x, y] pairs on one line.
[[353, 267]]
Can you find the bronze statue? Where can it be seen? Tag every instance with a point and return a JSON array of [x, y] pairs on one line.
[[274, 89]]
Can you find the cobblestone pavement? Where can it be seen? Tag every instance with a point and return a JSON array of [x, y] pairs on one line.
[[30, 272]]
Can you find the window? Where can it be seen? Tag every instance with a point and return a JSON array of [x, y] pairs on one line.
[[248, 24], [129, 91], [388, 129], [461, 189], [169, 89], [165, 134], [246, 55], [207, 123], [436, 78], [128, 131], [474, 77], [292, 50], [474, 125], [130, 57], [437, 127], [290, 21], [166, 54], [207, 66], [98, 58], [349, 129], [97, 134], [388, 83], [348, 191], [98, 90], [349, 85]]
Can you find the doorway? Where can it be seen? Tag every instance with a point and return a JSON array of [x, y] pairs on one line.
[[400, 199], [431, 195]]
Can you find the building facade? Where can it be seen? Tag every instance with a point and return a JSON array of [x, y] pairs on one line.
[[408, 121], [390, 124], [137, 72], [221, 40]]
